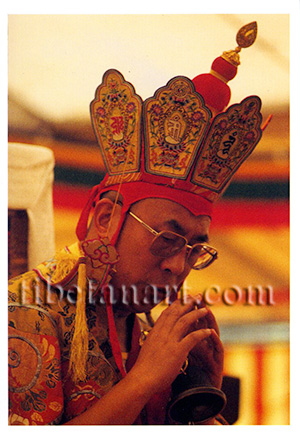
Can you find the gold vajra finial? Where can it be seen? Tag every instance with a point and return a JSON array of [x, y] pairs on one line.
[[245, 37]]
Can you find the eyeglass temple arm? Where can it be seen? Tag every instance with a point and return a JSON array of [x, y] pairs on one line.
[[154, 232]]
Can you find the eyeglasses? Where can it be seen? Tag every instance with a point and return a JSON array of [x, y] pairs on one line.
[[167, 244]]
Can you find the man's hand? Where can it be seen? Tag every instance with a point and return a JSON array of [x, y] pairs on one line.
[[172, 338]]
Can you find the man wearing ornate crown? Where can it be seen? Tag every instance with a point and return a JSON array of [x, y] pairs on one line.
[[75, 350]]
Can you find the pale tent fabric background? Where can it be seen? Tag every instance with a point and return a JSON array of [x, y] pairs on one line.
[[69, 54]]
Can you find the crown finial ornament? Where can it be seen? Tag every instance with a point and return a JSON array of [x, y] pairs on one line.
[[245, 37], [213, 86]]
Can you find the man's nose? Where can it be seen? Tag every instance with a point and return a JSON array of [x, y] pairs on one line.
[[175, 264]]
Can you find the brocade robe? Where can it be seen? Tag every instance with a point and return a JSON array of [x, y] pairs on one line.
[[41, 326]]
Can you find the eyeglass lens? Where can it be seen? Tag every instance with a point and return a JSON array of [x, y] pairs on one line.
[[167, 244]]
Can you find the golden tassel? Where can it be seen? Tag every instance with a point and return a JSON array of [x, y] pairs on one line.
[[80, 341], [64, 264]]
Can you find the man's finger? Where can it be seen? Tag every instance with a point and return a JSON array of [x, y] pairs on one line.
[[216, 341], [192, 339], [171, 315], [209, 321], [188, 322]]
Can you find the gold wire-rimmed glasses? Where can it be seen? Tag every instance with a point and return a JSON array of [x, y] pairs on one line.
[[167, 244]]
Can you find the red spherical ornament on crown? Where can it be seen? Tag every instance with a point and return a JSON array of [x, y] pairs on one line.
[[213, 87]]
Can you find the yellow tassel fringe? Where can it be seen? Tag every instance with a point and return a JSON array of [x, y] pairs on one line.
[[64, 264], [80, 341]]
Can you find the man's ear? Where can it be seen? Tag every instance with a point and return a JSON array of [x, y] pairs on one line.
[[107, 216]]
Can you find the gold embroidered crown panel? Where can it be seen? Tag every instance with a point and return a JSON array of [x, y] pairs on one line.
[[175, 121], [116, 117]]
